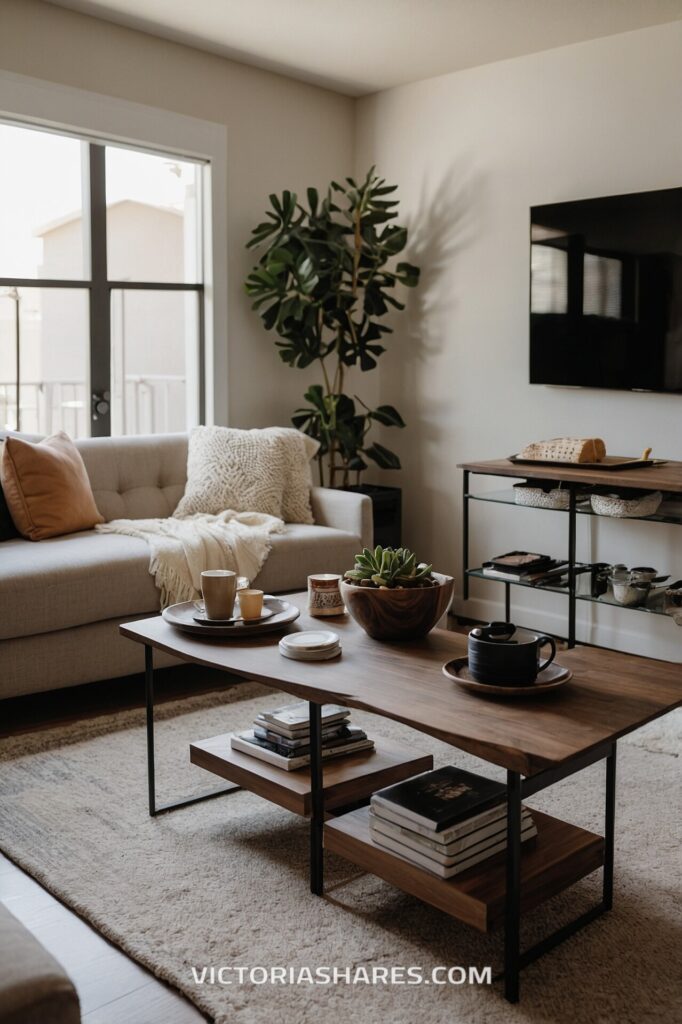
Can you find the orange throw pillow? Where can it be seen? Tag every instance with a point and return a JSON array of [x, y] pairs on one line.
[[46, 487]]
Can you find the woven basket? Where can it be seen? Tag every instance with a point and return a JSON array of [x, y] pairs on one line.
[[536, 497], [623, 508]]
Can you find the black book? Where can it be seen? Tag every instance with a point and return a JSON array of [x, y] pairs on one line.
[[353, 734], [333, 732], [248, 744], [441, 798]]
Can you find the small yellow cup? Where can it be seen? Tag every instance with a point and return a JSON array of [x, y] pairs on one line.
[[251, 603]]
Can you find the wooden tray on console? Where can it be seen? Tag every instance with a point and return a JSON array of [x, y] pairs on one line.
[[613, 462]]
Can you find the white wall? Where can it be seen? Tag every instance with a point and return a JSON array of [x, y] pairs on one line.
[[280, 134], [472, 151]]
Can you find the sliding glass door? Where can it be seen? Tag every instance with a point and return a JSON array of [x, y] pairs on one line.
[[101, 287]]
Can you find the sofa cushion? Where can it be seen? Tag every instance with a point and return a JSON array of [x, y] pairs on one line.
[[46, 487], [136, 477], [301, 550], [88, 577], [33, 986], [68, 581]]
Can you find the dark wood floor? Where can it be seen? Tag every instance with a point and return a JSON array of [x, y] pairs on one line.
[[59, 707]]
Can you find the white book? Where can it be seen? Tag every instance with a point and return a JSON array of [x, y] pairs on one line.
[[448, 835], [524, 577], [296, 717], [445, 853], [245, 743], [412, 857]]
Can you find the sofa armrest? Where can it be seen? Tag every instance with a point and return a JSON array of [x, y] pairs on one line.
[[343, 510], [33, 986]]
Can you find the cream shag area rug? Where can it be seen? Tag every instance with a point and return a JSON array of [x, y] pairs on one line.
[[225, 883]]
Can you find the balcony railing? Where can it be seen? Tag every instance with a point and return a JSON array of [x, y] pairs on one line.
[[153, 404]]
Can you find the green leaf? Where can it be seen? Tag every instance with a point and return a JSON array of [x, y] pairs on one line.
[[315, 396], [388, 415], [383, 457], [408, 274]]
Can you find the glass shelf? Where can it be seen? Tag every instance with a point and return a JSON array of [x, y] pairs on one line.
[[583, 508], [552, 588], [654, 606]]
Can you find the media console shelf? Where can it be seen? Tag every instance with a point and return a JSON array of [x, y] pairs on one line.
[[666, 477]]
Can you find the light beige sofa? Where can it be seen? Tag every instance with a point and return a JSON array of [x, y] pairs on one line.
[[61, 600], [34, 989]]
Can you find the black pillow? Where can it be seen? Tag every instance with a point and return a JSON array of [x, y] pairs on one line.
[[7, 528]]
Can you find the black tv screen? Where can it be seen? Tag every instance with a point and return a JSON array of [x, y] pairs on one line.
[[606, 292]]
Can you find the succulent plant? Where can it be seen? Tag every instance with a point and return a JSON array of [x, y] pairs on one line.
[[389, 567]]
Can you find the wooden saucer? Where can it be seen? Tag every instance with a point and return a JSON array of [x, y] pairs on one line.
[[550, 679]]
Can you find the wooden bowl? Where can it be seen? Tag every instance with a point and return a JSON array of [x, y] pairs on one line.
[[398, 614]]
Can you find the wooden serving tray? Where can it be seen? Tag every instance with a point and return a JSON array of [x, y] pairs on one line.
[[182, 617], [612, 462]]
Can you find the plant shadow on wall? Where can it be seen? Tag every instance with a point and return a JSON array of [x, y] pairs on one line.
[[324, 284], [442, 223]]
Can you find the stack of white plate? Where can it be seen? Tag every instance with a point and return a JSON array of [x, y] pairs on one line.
[[313, 645]]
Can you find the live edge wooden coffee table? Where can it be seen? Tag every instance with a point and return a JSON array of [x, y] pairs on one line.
[[538, 743]]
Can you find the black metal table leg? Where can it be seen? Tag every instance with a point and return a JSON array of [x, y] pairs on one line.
[[609, 829], [465, 534], [155, 808], [316, 801], [571, 565], [514, 959], [512, 918], [507, 602], [149, 701]]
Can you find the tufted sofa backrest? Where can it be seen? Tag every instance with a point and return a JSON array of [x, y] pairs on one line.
[[136, 477]]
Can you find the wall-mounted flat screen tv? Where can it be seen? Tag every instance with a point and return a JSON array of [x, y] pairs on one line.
[[606, 292]]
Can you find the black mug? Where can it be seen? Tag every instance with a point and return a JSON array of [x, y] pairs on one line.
[[502, 655]]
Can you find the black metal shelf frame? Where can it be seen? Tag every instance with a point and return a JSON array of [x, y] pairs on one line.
[[574, 567]]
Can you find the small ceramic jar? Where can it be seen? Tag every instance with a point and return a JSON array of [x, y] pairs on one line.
[[324, 594]]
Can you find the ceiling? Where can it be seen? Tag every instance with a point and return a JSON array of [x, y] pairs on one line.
[[361, 46]]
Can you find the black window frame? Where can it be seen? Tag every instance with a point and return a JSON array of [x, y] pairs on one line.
[[99, 288]]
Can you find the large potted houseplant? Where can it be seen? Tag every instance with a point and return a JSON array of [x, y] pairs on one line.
[[324, 282], [394, 597]]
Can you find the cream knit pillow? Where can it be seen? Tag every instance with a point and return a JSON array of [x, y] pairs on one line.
[[249, 471]]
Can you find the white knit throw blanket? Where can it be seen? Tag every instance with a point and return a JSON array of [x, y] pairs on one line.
[[181, 549]]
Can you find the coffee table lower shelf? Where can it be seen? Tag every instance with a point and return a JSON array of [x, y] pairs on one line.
[[347, 780], [559, 856]]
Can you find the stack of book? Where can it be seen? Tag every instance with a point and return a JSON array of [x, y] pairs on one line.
[[445, 820], [282, 736]]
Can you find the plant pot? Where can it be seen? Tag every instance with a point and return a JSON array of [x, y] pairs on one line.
[[392, 614], [386, 512]]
